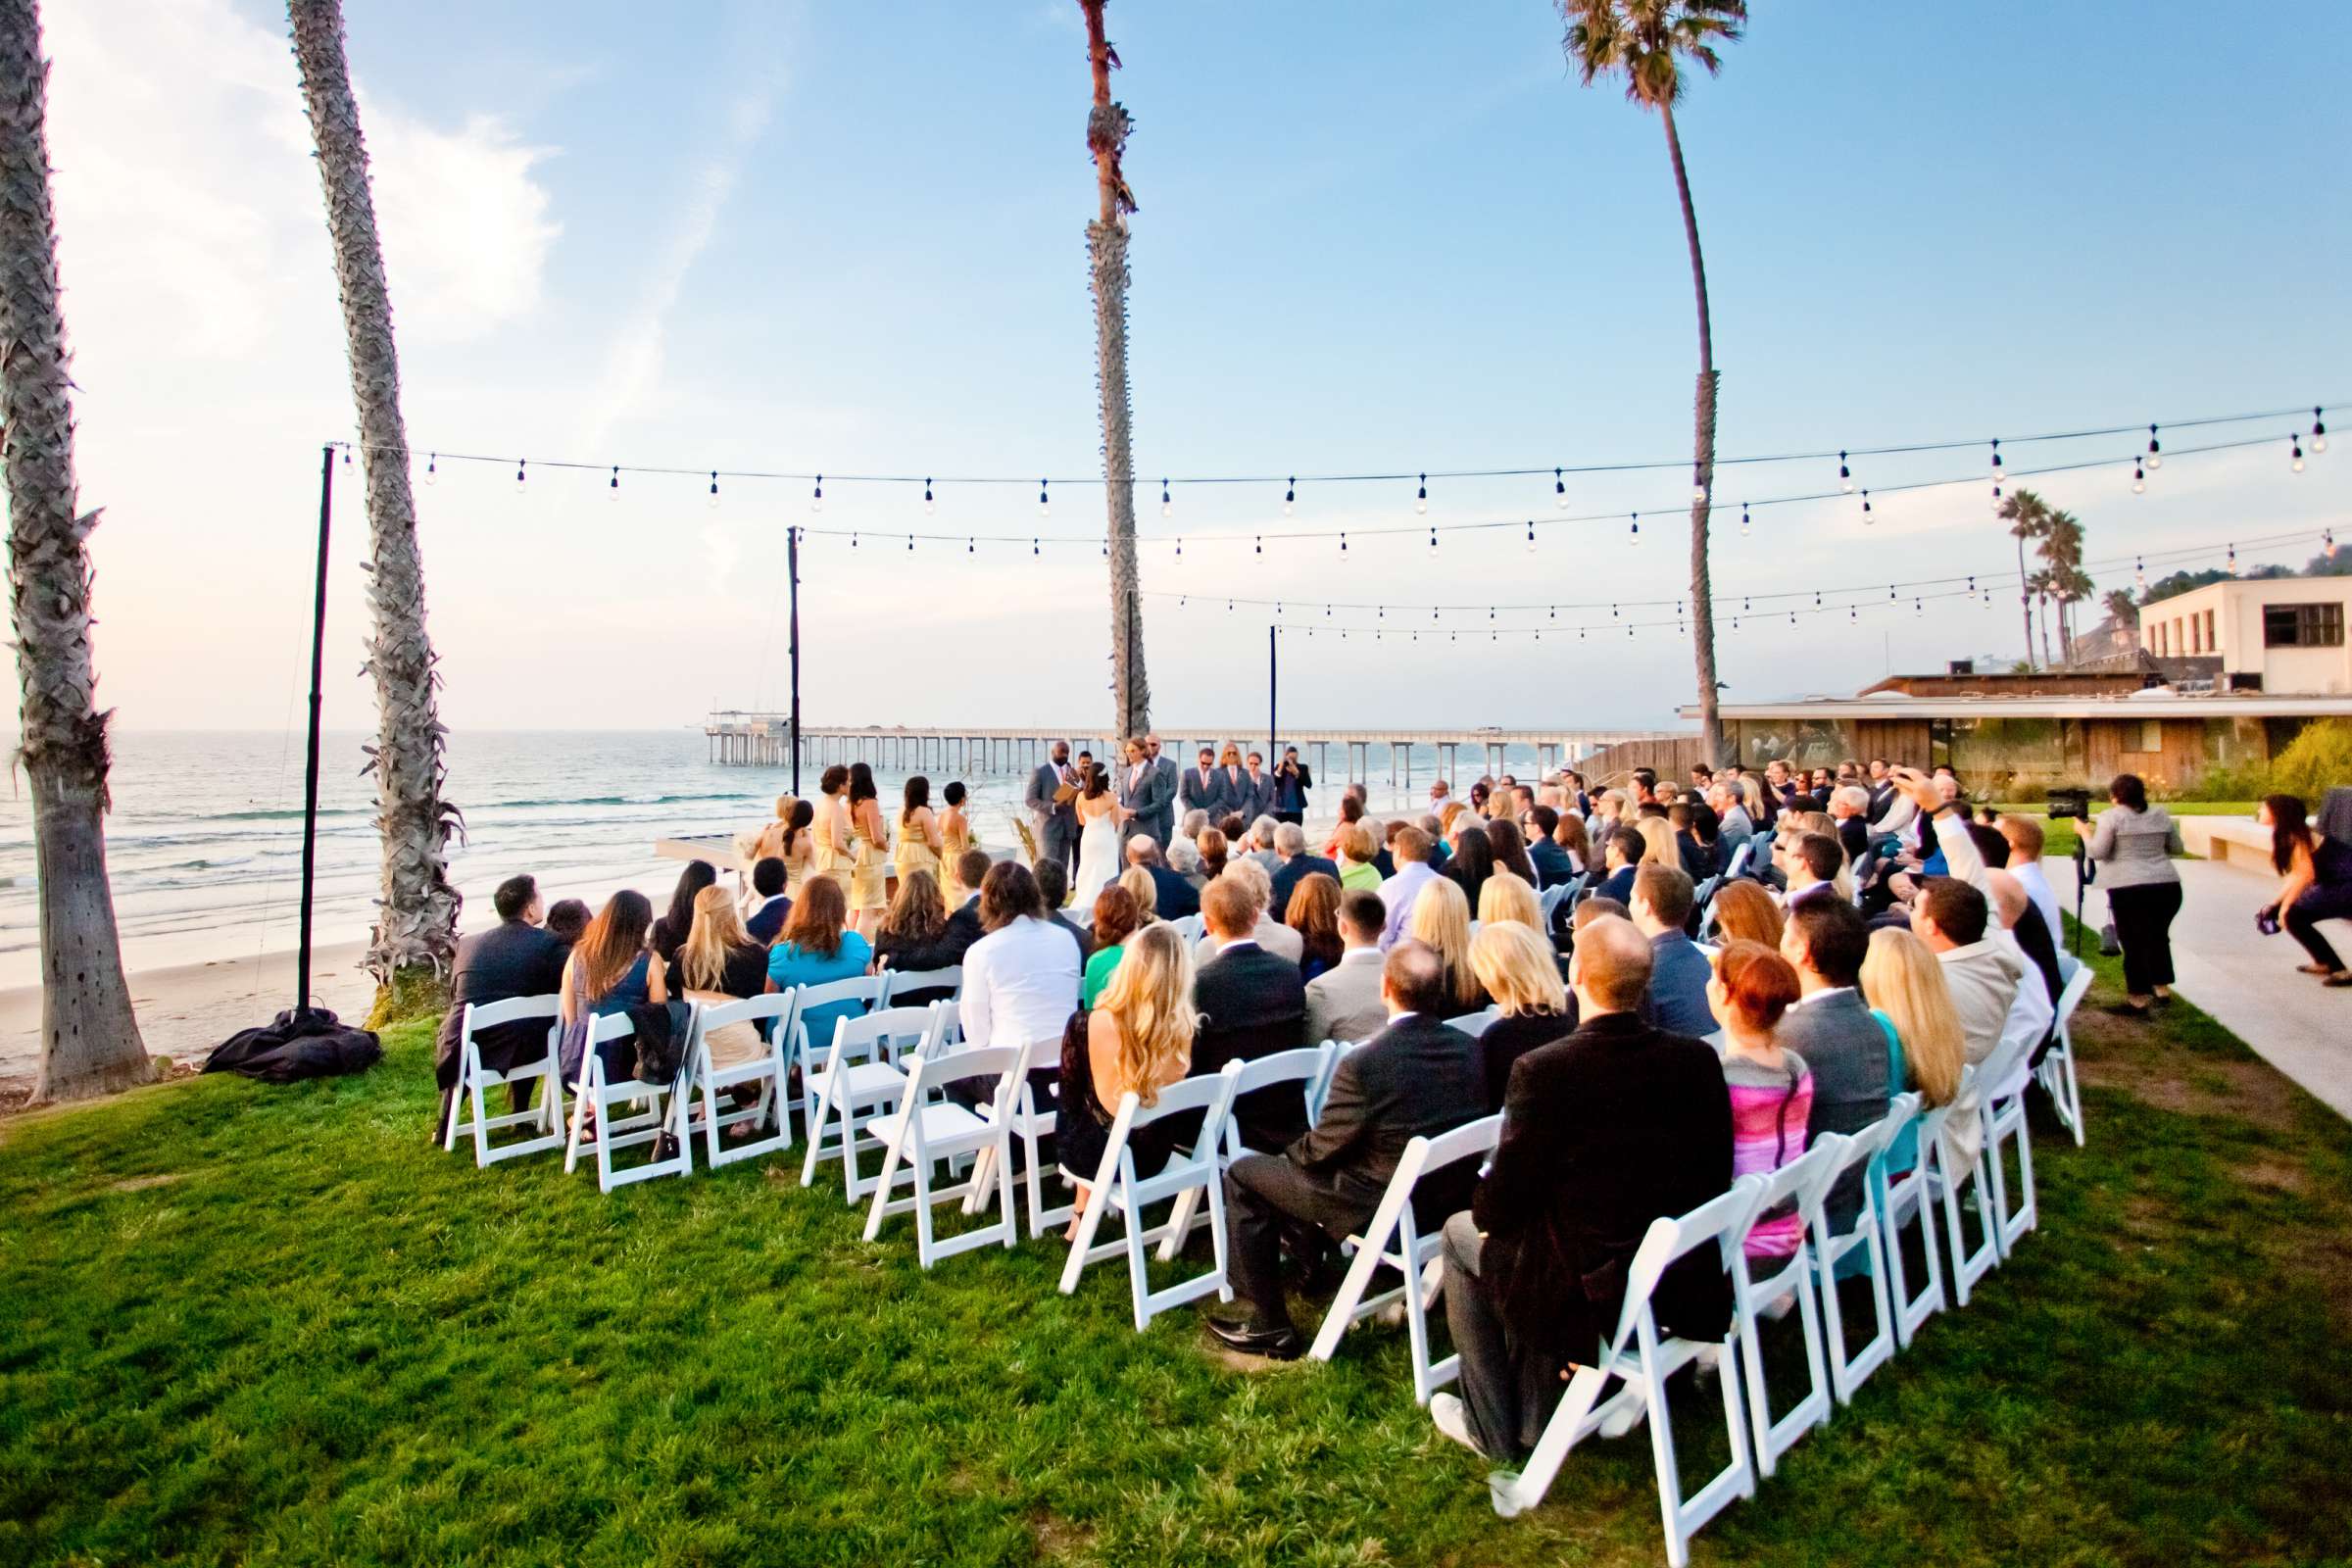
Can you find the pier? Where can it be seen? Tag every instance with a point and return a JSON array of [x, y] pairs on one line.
[[743, 739]]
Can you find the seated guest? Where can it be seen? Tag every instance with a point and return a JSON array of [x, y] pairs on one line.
[[915, 936], [1576, 841], [1509, 847], [1384, 858], [1733, 825], [513, 958], [1831, 1028], [1020, 981], [1116, 918], [1268, 933], [1293, 864], [1053, 887], [1849, 810], [1697, 859], [1967, 848], [768, 914], [1544, 852], [1172, 896], [1139, 1038], [1211, 845], [1471, 863], [1516, 967], [1398, 893], [1344, 1001], [1440, 850], [1351, 813], [718, 963], [1440, 923], [1984, 976], [1253, 1003], [671, 928], [816, 948], [1508, 898], [1904, 984], [1315, 913], [1744, 912], [2025, 838], [1183, 851], [1416, 1078], [1262, 848], [1138, 883], [1811, 861], [964, 921], [567, 918], [1678, 971], [1659, 843], [610, 970], [1621, 852], [1235, 829], [1750, 988], [1615, 1126], [1356, 862]]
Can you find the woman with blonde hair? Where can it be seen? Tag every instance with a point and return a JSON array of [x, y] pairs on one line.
[[718, 962], [1819, 822], [1903, 982], [1144, 891], [1506, 897], [768, 839], [1519, 970], [1744, 912], [1657, 843], [1440, 919], [1139, 1040], [1357, 855]]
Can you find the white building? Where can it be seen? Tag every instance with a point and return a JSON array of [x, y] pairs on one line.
[[2278, 636]]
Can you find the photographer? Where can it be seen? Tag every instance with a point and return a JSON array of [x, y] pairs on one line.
[[1291, 781], [2133, 843], [2317, 886]]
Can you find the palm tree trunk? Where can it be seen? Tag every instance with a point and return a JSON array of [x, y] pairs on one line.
[[1703, 463], [2025, 600], [416, 934], [1106, 129], [89, 1038], [2045, 632]]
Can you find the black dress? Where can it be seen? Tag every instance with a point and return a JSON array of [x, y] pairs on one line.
[[1082, 1122], [1506, 1039]]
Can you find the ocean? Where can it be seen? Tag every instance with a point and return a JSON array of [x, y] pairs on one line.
[[203, 844]]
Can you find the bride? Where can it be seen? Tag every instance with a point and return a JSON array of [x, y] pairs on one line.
[[1098, 817]]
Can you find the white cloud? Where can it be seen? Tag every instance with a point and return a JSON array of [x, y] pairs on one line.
[[465, 225]]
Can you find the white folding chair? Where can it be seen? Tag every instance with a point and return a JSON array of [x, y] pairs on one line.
[[1308, 1066], [1030, 1123], [2004, 1120], [924, 1132], [1641, 1359], [906, 982], [1477, 1024], [1902, 1198], [769, 1070], [1115, 1182], [473, 1079], [1945, 1181], [1319, 1091], [859, 1081], [1740, 859], [1394, 1239], [1548, 902], [2057, 1069], [1188, 927], [662, 1110], [1803, 1183], [1863, 1151]]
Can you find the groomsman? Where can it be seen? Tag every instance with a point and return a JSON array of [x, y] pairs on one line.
[[1260, 785], [1055, 821], [1203, 787], [1233, 786], [1138, 784], [1166, 766]]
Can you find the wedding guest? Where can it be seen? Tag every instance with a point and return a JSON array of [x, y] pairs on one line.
[[816, 947], [1344, 1001], [1020, 981], [1508, 850], [1183, 851], [1544, 852], [1253, 1003], [1831, 1026], [1955, 921], [915, 936], [1904, 984], [831, 855], [1472, 862], [1355, 862], [1352, 814], [1750, 988], [1414, 875], [2133, 843], [2317, 883], [610, 970], [768, 888], [1293, 864], [1116, 918], [717, 963], [567, 921], [1744, 912], [1138, 883], [1268, 932], [2025, 836], [1506, 897], [1054, 888], [1173, 897], [1575, 842], [1139, 1035], [1440, 923], [1211, 845], [1516, 967], [1620, 855], [1679, 972], [1658, 846], [671, 928], [513, 958], [1315, 913]]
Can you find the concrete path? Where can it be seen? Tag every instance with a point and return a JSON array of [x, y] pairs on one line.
[[2246, 979]]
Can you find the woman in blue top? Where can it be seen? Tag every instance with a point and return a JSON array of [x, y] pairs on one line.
[[610, 971], [814, 949]]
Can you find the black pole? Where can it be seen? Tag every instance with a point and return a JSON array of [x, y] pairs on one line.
[[793, 571], [1272, 673], [310, 774]]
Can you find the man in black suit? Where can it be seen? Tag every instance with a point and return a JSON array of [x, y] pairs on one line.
[[1253, 1003], [1416, 1078], [513, 958], [1172, 896], [764, 922], [1289, 842], [1615, 1126], [1551, 862], [1053, 886], [1292, 780]]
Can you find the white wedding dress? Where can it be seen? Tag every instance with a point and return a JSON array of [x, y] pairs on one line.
[[1098, 858]]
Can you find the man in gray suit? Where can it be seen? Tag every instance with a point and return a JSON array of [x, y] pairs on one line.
[[1203, 787], [1163, 826], [1056, 823], [1138, 782], [1344, 1001], [1261, 787]]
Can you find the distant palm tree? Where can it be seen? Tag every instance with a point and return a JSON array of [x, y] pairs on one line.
[[417, 925], [1644, 42], [90, 1036], [1107, 128], [2062, 552], [2028, 518], [2121, 607]]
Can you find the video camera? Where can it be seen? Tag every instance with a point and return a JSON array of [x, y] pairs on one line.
[[2060, 804]]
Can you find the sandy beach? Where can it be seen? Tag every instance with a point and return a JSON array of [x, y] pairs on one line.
[[186, 1010]]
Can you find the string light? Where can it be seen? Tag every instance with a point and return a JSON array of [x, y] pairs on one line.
[[930, 507], [1262, 544], [910, 544], [1560, 490], [971, 547], [1865, 509], [2234, 561], [1996, 461], [347, 455], [1167, 503], [2140, 479], [1743, 519], [713, 503], [1045, 505], [1289, 496], [519, 487], [1421, 496], [1033, 550], [2296, 464], [2140, 573], [1432, 543], [1179, 550], [2155, 452], [1342, 548], [433, 461], [613, 490], [1698, 484], [1635, 535], [1531, 536], [1996, 499], [817, 499], [1846, 475], [2319, 431], [2328, 543]]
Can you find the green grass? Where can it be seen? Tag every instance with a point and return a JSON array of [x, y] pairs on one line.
[[2058, 838], [271, 1325]]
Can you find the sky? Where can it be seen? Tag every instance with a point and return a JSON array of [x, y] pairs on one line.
[[1387, 238]]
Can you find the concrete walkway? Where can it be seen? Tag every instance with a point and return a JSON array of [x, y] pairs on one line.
[[2246, 979]]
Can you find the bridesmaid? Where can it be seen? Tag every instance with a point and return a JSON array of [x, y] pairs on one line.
[[829, 856], [919, 838], [797, 846], [869, 853], [955, 837]]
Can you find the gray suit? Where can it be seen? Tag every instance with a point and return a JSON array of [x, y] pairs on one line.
[[1257, 795], [1342, 1003], [1842, 1045], [1200, 793], [1163, 811], [1056, 825], [1148, 798]]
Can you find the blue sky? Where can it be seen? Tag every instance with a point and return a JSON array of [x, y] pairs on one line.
[[1379, 237]]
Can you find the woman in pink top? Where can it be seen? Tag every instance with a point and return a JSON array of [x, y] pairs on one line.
[[1772, 1091]]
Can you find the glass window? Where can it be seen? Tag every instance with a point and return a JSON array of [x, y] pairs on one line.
[[2303, 625]]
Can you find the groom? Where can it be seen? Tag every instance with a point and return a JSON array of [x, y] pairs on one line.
[[1055, 821], [1148, 792]]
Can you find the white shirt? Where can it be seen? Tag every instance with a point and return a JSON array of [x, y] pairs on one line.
[[1020, 985], [2028, 874]]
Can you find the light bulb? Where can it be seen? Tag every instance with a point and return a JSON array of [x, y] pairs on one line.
[[432, 463], [2319, 430], [520, 488], [1865, 509], [1045, 505], [1743, 519], [2155, 452], [1560, 490], [1636, 534], [2140, 479], [2297, 461], [1167, 504], [1289, 496], [2328, 543], [1421, 497], [713, 503], [1531, 538], [1433, 544], [1699, 492], [1846, 475], [1343, 550], [816, 501], [930, 507]]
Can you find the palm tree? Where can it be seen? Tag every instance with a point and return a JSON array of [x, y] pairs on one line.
[[1645, 40], [1107, 128], [89, 1038], [2062, 557], [2121, 607], [2028, 518], [415, 933]]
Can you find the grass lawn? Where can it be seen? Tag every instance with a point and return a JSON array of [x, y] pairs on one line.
[[259, 1325], [2058, 838]]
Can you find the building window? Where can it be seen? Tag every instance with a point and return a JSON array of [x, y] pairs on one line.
[[2303, 625], [2151, 735], [2196, 634], [2212, 645]]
